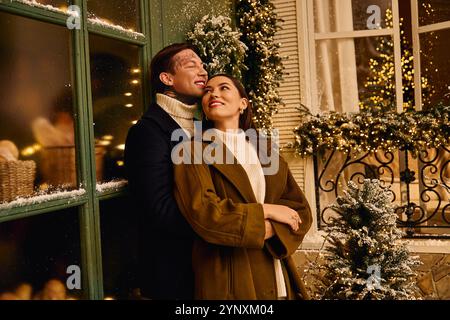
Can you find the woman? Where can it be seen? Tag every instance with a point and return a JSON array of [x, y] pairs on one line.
[[248, 223]]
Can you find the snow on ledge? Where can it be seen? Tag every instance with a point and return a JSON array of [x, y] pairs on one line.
[[111, 186], [314, 241], [43, 197], [99, 22], [34, 3]]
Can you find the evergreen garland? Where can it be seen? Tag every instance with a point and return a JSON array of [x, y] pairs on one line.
[[219, 46], [411, 130], [258, 23]]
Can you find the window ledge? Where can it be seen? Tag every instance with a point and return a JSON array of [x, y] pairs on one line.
[[314, 241]]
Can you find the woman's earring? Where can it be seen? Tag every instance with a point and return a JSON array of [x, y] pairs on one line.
[[242, 110]]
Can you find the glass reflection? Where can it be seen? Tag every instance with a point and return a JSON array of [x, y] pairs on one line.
[[35, 254], [54, 5], [435, 68], [433, 11], [36, 107], [116, 77], [350, 15], [355, 73], [119, 249], [118, 13]]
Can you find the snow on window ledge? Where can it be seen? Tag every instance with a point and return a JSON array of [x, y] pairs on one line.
[[34, 3], [99, 22], [42, 198], [114, 185], [314, 241]]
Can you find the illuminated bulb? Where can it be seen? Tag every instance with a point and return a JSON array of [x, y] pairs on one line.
[[120, 163], [136, 70], [128, 94], [134, 122], [135, 81], [129, 105], [121, 147], [104, 143], [28, 151], [107, 137]]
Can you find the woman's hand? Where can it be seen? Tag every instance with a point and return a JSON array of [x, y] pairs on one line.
[[282, 214], [269, 230]]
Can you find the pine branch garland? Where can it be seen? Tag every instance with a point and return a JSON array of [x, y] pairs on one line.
[[258, 23], [219, 46]]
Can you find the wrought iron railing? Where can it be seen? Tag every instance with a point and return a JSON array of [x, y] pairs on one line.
[[420, 186]]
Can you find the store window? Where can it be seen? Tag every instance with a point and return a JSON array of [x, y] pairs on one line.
[[116, 85], [40, 257], [37, 135], [119, 235], [54, 5], [119, 13]]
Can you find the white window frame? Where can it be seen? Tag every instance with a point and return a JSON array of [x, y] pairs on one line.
[[308, 78]]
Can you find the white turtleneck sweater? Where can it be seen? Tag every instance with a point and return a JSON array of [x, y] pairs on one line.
[[247, 157], [182, 113]]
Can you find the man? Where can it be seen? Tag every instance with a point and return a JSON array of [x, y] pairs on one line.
[[178, 80]]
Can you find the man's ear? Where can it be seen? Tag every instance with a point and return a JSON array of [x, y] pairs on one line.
[[166, 78]]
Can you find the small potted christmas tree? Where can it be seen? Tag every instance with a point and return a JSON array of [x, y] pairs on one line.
[[364, 258]]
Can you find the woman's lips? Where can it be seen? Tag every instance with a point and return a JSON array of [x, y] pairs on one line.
[[215, 104]]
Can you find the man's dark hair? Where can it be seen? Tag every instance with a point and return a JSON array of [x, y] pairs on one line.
[[163, 62]]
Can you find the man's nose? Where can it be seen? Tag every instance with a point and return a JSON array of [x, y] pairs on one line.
[[202, 71]]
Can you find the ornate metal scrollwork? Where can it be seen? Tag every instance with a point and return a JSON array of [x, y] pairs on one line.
[[420, 187]]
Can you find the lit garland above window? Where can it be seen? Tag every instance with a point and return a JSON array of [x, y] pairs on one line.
[[414, 131]]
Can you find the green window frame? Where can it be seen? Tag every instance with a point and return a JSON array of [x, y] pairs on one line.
[[88, 204]]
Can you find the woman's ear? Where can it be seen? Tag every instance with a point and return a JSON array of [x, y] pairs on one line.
[[166, 78], [244, 104]]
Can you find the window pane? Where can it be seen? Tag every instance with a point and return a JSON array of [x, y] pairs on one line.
[[435, 68], [36, 109], [433, 11], [121, 13], [119, 248], [50, 4], [350, 71], [34, 251], [117, 100], [347, 15]]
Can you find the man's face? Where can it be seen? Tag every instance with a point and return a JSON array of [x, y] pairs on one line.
[[189, 77]]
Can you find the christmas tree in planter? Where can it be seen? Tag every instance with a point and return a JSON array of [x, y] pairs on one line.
[[219, 46], [364, 259]]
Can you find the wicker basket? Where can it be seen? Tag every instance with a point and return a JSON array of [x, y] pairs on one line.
[[16, 179], [58, 165]]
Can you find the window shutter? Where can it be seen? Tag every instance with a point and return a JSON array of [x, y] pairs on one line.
[[288, 116]]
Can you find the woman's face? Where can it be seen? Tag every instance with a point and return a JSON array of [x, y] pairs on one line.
[[222, 102]]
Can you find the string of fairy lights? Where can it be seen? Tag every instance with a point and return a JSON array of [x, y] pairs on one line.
[[413, 130], [258, 23]]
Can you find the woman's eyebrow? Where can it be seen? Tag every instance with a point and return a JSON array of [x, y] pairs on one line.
[[219, 85]]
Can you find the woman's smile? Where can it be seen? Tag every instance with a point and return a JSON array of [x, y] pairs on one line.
[[215, 104]]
